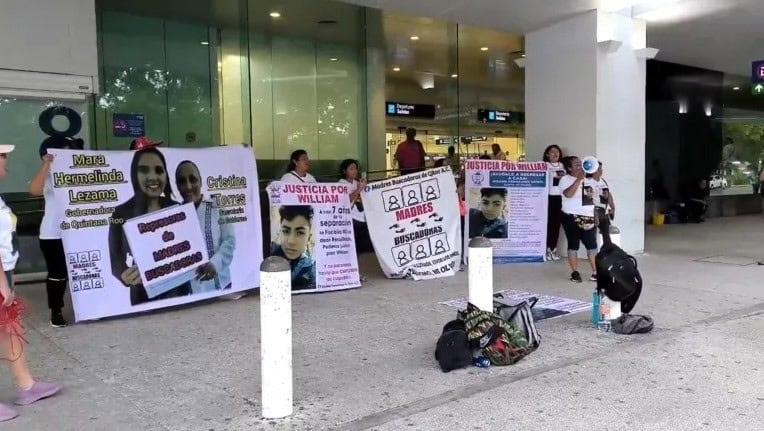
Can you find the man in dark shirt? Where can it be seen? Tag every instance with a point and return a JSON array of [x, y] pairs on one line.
[[410, 154]]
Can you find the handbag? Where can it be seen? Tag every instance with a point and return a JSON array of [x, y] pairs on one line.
[[520, 315]]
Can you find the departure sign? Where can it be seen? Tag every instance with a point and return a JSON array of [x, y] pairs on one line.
[[757, 71], [496, 116], [397, 109]]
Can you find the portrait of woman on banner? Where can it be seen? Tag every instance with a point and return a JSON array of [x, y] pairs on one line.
[[294, 239], [219, 238], [151, 192]]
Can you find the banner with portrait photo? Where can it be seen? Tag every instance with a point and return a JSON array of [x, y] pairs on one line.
[[311, 227], [414, 224], [508, 205], [158, 227]]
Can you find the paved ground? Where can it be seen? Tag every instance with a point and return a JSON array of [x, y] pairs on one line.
[[363, 358]]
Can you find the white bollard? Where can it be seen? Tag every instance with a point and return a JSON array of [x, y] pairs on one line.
[[276, 337], [480, 274]]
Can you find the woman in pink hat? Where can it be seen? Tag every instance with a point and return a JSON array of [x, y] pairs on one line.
[[11, 309]]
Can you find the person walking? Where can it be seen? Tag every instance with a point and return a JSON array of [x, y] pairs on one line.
[[410, 154], [12, 339]]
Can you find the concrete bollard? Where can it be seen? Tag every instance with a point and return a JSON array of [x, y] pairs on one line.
[[276, 337], [480, 275]]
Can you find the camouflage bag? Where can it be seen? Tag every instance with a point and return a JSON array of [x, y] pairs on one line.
[[496, 338]]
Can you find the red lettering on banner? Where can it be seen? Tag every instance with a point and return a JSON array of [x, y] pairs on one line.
[[414, 211]]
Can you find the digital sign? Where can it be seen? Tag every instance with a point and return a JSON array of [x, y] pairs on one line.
[[497, 116], [398, 109], [757, 71]]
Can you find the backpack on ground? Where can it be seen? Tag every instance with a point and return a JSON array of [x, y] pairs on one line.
[[617, 273], [498, 340], [452, 350], [632, 324], [520, 315]]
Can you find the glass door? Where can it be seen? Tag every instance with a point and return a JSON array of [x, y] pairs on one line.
[[27, 123]]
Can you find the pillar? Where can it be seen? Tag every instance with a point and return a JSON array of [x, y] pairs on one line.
[[585, 91]]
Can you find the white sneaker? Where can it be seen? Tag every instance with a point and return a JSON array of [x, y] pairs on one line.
[[549, 255], [555, 255]]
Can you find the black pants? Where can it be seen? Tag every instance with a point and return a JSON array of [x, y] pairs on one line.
[[576, 235], [554, 218], [55, 260]]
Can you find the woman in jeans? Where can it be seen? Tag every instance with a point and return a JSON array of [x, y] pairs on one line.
[[11, 310], [578, 196], [555, 172]]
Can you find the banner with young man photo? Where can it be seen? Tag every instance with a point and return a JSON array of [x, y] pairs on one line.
[[414, 224], [312, 229], [156, 227], [508, 205]]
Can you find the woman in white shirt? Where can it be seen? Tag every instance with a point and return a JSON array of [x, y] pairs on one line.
[[50, 232], [297, 171], [555, 172], [578, 195], [349, 174], [604, 198], [11, 310]]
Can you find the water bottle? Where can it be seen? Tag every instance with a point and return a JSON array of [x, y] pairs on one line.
[[604, 325], [596, 312], [481, 362]]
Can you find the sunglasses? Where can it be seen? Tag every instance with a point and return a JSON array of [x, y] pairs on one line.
[[4, 156]]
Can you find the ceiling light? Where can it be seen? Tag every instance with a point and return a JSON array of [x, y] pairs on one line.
[[204, 42], [454, 75], [736, 88], [275, 14], [396, 69], [414, 37], [484, 48], [522, 55], [334, 59]]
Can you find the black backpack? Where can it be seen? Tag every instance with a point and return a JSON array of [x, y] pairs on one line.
[[453, 348], [617, 273]]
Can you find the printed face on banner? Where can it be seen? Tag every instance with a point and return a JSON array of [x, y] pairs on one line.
[[488, 215], [508, 205], [292, 238], [414, 223], [312, 229], [126, 229]]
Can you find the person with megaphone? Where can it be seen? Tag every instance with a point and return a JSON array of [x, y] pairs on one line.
[[578, 195]]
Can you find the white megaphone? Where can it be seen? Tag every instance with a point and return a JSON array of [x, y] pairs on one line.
[[590, 164]]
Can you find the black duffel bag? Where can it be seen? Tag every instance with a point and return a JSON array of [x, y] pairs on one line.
[[617, 273]]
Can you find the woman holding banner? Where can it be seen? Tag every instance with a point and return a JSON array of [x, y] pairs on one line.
[[11, 310], [220, 239], [298, 168], [152, 192], [349, 175], [295, 232], [50, 230]]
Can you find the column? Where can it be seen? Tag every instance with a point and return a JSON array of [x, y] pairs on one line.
[[585, 91]]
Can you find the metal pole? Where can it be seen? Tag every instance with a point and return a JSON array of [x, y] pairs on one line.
[[276, 337], [481, 273]]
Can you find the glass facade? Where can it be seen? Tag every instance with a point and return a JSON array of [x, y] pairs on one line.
[[285, 75], [464, 73]]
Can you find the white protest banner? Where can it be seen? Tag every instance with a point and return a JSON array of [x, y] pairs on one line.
[[167, 245], [97, 194], [508, 205], [414, 224], [546, 307], [311, 228]]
